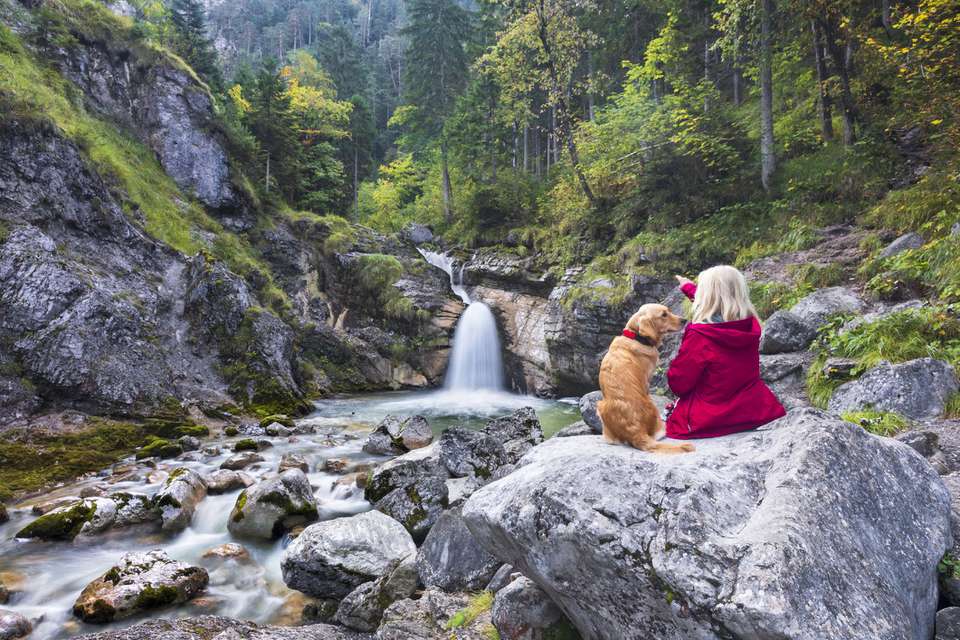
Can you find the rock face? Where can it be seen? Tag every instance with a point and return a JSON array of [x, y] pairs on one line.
[[140, 582], [918, 389], [274, 506], [331, 559], [177, 500], [784, 332], [772, 533], [209, 627], [451, 559]]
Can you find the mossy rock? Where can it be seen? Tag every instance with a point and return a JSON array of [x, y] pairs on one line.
[[159, 448], [247, 444], [231, 431], [279, 418], [193, 430], [60, 525]]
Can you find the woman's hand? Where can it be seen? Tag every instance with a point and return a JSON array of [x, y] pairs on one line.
[[683, 281]]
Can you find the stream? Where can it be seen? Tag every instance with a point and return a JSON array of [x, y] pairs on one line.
[[47, 577]]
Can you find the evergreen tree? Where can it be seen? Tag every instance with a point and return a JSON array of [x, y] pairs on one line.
[[436, 74], [272, 123], [191, 42]]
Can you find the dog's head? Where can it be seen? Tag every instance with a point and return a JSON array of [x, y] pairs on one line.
[[654, 320]]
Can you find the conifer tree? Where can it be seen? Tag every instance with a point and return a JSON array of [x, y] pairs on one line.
[[191, 42]]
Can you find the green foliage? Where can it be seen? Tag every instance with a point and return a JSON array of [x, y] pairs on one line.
[[880, 423], [190, 39], [159, 448], [905, 335], [247, 444], [375, 275], [949, 566], [478, 605]]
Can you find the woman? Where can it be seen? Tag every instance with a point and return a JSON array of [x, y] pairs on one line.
[[716, 374]]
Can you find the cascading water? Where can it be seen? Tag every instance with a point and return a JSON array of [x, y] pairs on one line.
[[475, 363]]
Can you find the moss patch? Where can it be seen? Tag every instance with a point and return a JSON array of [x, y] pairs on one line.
[[247, 444], [881, 423], [159, 448], [478, 605], [60, 525], [155, 597]]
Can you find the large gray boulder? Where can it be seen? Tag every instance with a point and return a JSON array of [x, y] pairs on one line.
[[790, 532], [395, 435], [178, 498], [918, 389], [411, 489], [784, 332], [907, 241], [221, 628], [226, 480], [85, 517], [331, 559], [522, 611], [363, 607], [451, 558], [469, 453], [139, 582], [272, 507], [818, 307], [588, 410]]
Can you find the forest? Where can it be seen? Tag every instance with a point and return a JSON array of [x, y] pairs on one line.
[[589, 131]]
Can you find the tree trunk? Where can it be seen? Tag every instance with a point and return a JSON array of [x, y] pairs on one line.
[[824, 106], [768, 159], [356, 183], [526, 148], [446, 188], [842, 56]]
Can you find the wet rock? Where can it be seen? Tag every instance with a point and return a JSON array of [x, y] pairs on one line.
[[918, 389], [396, 436], [948, 624], [451, 559], [905, 242], [241, 460], [42, 508], [220, 628], [330, 559], [522, 611], [588, 410], [465, 452], [13, 625], [134, 509], [729, 537], [81, 518], [403, 471], [229, 551], [95, 491], [949, 578], [178, 498], [189, 443], [416, 506], [818, 307], [580, 428], [4, 592], [4, 516], [518, 432], [363, 607], [784, 332], [293, 461], [139, 582], [226, 480], [274, 506]]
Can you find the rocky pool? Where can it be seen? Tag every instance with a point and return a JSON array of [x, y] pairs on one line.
[[45, 578]]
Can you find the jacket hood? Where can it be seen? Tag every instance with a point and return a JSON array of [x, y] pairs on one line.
[[736, 334]]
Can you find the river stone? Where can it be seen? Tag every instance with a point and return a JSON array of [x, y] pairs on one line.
[[918, 389], [761, 534], [396, 436], [579, 428], [274, 506], [139, 582], [907, 241], [588, 410], [241, 460], [403, 471], [465, 452], [228, 551], [221, 628], [80, 518], [13, 625], [518, 432], [363, 607], [416, 506], [134, 509], [293, 461], [784, 332], [226, 480], [451, 559], [818, 307], [522, 611], [330, 559], [178, 498]]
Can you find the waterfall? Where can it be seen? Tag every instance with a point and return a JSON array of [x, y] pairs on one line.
[[475, 361]]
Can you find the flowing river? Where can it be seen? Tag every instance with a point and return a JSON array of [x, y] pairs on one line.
[[46, 577]]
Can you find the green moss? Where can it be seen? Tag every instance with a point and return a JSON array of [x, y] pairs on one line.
[[155, 597], [279, 418], [193, 430], [949, 567], [60, 525], [881, 423], [230, 431], [477, 606], [159, 448], [241, 502], [247, 444]]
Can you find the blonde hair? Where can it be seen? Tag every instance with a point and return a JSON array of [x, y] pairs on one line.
[[722, 291]]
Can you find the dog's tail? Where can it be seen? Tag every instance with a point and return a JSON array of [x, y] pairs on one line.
[[664, 447]]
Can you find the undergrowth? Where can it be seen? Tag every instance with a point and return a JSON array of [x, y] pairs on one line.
[[881, 423]]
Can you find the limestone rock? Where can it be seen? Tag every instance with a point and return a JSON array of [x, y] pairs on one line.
[[273, 506], [293, 461], [522, 611], [905, 242], [81, 518], [396, 436], [220, 628], [451, 559], [363, 607], [330, 559], [918, 389], [818, 307], [588, 410], [139, 582], [728, 541], [178, 498], [429, 618], [784, 332], [226, 480], [241, 460], [948, 624]]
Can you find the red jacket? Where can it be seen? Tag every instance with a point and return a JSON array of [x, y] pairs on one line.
[[716, 376]]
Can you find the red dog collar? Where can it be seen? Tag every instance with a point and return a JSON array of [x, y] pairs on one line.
[[627, 333]]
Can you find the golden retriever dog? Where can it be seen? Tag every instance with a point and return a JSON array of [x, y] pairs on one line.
[[627, 411]]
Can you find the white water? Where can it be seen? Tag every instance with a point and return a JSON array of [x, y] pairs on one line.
[[475, 363]]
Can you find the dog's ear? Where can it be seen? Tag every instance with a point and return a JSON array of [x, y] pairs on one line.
[[647, 327]]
